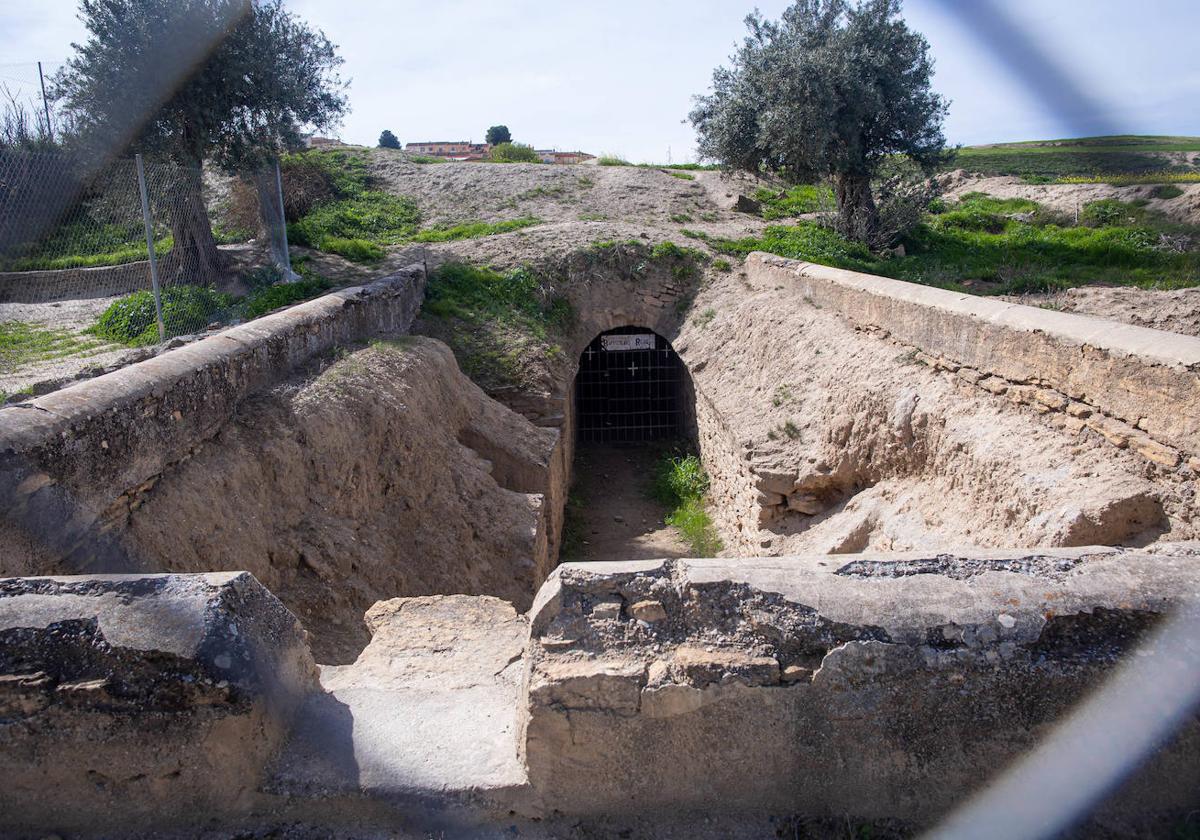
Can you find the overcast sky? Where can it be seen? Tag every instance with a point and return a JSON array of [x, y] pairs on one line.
[[618, 76]]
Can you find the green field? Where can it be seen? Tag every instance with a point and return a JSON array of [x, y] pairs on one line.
[[1133, 158]]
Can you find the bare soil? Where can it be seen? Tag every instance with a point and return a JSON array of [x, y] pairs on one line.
[[612, 510]]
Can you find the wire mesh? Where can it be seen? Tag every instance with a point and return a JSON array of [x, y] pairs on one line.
[[76, 276], [628, 390]]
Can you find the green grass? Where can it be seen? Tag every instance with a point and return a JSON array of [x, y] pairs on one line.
[[355, 250], [423, 159], [1130, 158], [22, 344], [682, 176], [371, 216], [495, 320], [1166, 192], [83, 243], [612, 160], [269, 298], [1011, 245], [681, 484], [794, 201], [474, 230]]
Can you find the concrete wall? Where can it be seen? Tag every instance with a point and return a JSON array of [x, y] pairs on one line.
[[129, 702], [65, 457], [1139, 387], [888, 686]]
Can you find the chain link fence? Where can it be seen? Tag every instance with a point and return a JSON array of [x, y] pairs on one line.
[[96, 262]]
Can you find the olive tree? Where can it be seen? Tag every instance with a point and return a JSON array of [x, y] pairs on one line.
[[834, 89], [233, 82]]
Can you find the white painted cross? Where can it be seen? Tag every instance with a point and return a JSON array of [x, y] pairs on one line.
[[633, 369]]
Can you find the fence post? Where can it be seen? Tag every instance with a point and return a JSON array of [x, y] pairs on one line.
[[288, 274], [141, 170], [45, 103]]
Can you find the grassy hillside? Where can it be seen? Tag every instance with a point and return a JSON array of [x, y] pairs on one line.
[[1123, 159]]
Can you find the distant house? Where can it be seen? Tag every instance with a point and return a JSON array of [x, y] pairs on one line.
[[553, 156], [462, 150]]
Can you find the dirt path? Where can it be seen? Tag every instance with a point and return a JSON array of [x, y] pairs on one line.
[[615, 515]]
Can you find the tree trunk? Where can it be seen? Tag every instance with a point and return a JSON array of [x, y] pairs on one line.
[[194, 258], [858, 217]]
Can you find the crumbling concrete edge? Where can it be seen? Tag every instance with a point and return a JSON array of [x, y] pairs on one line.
[[1147, 379]]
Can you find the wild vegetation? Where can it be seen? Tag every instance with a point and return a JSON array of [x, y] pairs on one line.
[[1129, 159], [681, 484], [256, 75], [492, 320], [834, 90], [22, 343], [1006, 246]]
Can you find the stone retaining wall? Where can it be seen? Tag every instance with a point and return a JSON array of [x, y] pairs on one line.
[[66, 456], [1147, 381], [886, 686]]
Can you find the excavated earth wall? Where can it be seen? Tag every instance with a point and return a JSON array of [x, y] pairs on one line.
[[840, 413]]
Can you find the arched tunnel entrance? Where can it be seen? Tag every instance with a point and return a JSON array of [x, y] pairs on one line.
[[633, 408], [630, 389]]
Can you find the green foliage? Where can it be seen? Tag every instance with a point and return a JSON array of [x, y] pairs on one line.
[[612, 160], [474, 230], [1166, 192], [355, 250], [425, 159], [270, 298], [387, 140], [376, 217], [23, 343], [682, 176], [705, 318], [681, 219], [802, 198], [498, 134], [84, 245], [493, 321], [680, 483], [1012, 246], [252, 71], [1122, 159], [722, 265], [801, 90], [131, 320], [514, 153]]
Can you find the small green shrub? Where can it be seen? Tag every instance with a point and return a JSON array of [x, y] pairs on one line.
[[514, 153], [722, 265], [682, 176], [705, 318], [131, 320], [270, 298], [375, 217], [423, 159], [612, 160], [681, 219], [1166, 192], [355, 250], [1107, 212]]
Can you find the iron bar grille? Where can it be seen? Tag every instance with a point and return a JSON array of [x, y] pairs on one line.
[[628, 396]]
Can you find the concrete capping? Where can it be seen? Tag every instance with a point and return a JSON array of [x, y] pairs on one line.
[[103, 436], [1148, 378], [219, 668]]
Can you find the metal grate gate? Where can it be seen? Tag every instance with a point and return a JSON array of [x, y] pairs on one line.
[[628, 389]]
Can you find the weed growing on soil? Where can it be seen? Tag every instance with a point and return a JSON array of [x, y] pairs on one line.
[[805, 198], [22, 343], [721, 264], [355, 250], [474, 230], [270, 298], [680, 483], [613, 160], [705, 318], [495, 321], [683, 176], [1166, 192], [375, 217], [1012, 246]]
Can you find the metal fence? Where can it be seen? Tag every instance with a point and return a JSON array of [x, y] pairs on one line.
[[97, 259]]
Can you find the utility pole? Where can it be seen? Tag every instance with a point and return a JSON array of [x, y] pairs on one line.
[[45, 103]]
